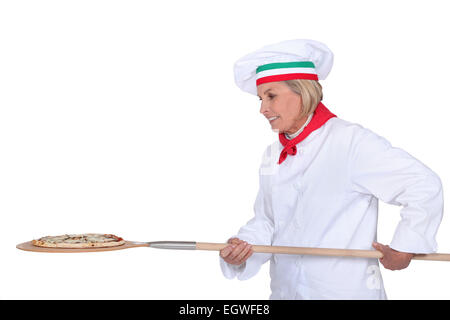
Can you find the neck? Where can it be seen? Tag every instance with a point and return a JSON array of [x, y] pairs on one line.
[[291, 136]]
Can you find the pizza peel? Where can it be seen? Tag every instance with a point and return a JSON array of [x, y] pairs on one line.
[[192, 245]]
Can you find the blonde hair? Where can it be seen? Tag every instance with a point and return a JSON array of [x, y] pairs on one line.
[[309, 90]]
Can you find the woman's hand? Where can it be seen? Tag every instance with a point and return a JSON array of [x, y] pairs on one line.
[[237, 252], [393, 259]]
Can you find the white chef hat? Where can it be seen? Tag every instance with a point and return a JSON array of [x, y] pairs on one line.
[[286, 60]]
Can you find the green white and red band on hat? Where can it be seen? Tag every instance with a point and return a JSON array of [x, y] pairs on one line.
[[281, 71]]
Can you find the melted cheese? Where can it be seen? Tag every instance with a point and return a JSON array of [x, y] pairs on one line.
[[79, 238]]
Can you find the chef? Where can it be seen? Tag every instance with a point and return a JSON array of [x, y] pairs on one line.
[[319, 186]]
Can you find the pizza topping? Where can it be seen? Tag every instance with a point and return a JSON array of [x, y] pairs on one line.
[[80, 240]]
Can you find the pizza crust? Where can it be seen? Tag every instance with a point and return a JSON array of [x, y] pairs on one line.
[[76, 241]]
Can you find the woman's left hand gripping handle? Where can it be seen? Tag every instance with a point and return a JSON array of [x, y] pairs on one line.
[[237, 252]]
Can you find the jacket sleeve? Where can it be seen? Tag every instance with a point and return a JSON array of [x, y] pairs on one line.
[[397, 178], [257, 231]]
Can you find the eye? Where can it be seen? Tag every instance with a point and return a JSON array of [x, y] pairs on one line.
[[270, 97]]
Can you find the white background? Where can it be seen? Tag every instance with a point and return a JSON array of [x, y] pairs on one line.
[[123, 117]]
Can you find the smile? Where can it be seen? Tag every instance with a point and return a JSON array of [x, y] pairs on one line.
[[273, 118]]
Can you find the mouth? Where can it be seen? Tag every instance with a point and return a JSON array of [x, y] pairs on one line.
[[272, 119]]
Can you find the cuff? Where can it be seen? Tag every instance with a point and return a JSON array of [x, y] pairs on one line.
[[252, 265], [407, 240], [230, 270]]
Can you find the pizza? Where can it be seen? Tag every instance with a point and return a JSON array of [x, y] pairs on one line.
[[86, 240]]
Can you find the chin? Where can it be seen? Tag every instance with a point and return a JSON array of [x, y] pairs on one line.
[[275, 129]]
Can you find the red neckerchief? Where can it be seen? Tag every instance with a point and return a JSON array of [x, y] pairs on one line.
[[320, 116]]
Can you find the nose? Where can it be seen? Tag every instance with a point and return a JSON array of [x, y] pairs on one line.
[[264, 108]]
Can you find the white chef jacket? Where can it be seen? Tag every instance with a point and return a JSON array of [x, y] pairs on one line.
[[327, 196]]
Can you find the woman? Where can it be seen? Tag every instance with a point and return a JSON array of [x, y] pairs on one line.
[[320, 185]]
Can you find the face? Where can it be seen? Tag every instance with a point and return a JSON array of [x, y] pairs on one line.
[[281, 106]]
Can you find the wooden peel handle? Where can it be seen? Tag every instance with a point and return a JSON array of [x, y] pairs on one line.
[[433, 257], [320, 251]]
